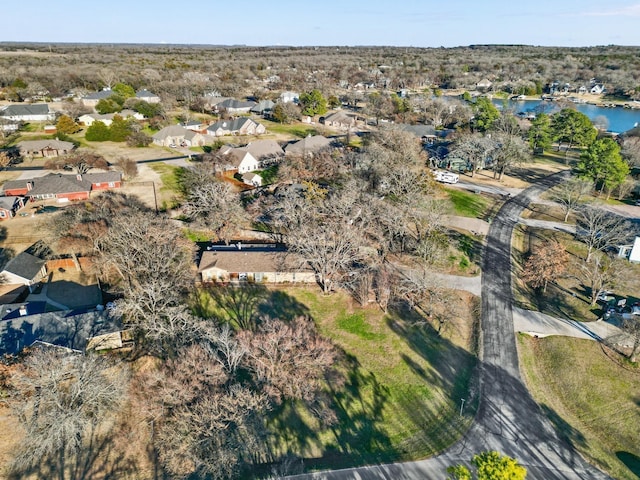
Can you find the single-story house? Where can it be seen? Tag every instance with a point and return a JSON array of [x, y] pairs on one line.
[[288, 97], [253, 263], [195, 126], [252, 179], [339, 119], [24, 269], [92, 99], [232, 105], [262, 107], [9, 206], [265, 150], [25, 324], [62, 187], [8, 126], [597, 89], [44, 148], [631, 252], [308, 146], [35, 112], [238, 126], [426, 133], [147, 96], [89, 118], [177, 135]]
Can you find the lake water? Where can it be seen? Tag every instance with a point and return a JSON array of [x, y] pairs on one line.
[[619, 119]]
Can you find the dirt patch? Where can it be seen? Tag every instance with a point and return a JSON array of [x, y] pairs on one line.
[[20, 232], [73, 288]]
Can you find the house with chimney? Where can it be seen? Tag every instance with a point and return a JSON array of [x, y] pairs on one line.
[[62, 187]]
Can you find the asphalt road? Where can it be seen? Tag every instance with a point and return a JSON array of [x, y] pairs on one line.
[[508, 419]]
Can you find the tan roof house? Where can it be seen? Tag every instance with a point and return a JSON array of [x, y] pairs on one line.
[[44, 148], [308, 146], [176, 135], [339, 120], [252, 263]]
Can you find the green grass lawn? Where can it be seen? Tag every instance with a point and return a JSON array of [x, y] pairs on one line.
[[299, 130], [592, 399], [397, 394], [468, 204], [171, 177]]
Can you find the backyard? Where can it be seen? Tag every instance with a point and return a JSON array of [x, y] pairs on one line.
[[590, 395], [401, 383]]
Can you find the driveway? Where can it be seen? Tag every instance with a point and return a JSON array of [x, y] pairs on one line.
[[508, 419]]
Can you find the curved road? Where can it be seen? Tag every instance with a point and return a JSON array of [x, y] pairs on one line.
[[508, 419]]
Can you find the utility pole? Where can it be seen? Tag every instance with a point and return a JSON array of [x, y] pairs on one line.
[[462, 400]]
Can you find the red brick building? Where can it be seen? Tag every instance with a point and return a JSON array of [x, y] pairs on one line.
[[62, 187]]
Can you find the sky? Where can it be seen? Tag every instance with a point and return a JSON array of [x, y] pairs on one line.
[[417, 23]]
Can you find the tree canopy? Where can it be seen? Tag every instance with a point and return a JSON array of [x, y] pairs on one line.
[[489, 466], [484, 114], [573, 127], [603, 165], [313, 103]]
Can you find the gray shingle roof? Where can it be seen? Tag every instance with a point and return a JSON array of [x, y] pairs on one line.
[[57, 183], [27, 109], [25, 265], [264, 149], [37, 145], [103, 177], [144, 93], [8, 202], [231, 125], [233, 103], [262, 106], [171, 131], [70, 329], [100, 95], [308, 145]]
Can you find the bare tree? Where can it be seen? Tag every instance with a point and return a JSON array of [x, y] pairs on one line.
[[631, 326], [152, 261], [631, 150], [626, 187], [570, 194], [474, 148], [289, 359], [80, 162], [64, 403], [510, 147], [599, 229], [217, 207], [208, 424], [422, 291], [129, 167], [598, 274]]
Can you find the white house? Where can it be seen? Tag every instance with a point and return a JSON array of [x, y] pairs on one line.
[[240, 159], [35, 112], [288, 97], [632, 252], [252, 179], [147, 96], [24, 269]]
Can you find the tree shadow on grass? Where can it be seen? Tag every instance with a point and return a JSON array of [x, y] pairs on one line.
[[358, 438], [631, 461], [244, 305], [450, 372]]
